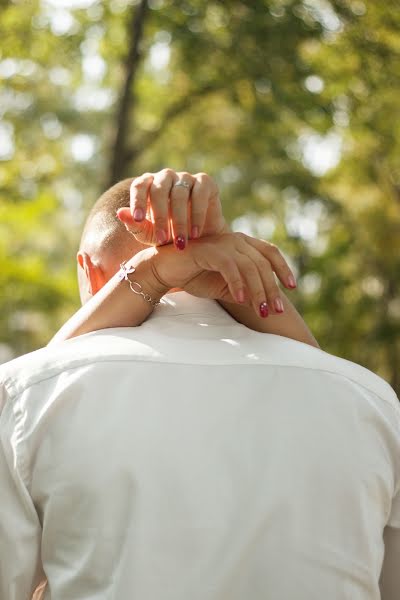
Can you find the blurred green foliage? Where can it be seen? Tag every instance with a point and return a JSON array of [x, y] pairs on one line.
[[292, 105]]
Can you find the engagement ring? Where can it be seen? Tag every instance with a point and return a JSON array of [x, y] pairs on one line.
[[182, 183]]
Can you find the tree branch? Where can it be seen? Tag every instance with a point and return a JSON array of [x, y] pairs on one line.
[[125, 111], [176, 109]]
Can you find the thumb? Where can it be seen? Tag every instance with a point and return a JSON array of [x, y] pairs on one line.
[[142, 230], [125, 216]]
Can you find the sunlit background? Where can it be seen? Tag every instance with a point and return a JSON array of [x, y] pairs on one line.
[[293, 107]]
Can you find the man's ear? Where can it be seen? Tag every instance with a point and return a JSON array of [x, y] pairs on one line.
[[92, 274]]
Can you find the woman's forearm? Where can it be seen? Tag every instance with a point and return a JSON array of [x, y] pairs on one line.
[[115, 305], [288, 324]]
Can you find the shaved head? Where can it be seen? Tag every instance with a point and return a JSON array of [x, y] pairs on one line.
[[103, 231], [105, 239]]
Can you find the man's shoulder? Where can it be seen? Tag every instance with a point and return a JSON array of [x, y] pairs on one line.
[[89, 349], [296, 355], [49, 361], [237, 347], [360, 376]]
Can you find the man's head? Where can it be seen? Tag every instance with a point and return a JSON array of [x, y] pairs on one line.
[[105, 242]]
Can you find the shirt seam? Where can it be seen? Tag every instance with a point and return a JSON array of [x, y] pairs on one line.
[[14, 391], [19, 432], [19, 428]]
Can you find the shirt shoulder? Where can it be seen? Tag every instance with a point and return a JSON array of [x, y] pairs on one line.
[[317, 360], [49, 361], [190, 343], [3, 397]]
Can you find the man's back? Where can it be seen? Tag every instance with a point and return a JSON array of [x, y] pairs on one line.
[[192, 458]]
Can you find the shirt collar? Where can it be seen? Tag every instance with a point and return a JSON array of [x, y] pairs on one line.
[[180, 303]]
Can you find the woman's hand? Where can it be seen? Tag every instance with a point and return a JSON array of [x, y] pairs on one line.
[[232, 267], [173, 205]]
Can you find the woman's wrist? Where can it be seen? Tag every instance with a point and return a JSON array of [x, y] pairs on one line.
[[145, 275], [115, 305]]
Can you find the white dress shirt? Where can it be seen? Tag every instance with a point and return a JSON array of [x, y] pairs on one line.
[[193, 459]]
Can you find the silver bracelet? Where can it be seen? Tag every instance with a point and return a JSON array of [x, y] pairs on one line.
[[135, 285]]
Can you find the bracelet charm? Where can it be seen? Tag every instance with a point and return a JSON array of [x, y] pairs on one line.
[[124, 271], [135, 286]]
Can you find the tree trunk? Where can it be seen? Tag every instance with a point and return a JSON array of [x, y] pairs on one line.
[[393, 356], [172, 112], [126, 106]]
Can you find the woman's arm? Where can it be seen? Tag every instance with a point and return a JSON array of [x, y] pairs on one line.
[[155, 190], [288, 324], [210, 267], [115, 305]]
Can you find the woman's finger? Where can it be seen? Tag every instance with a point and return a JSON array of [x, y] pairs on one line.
[[159, 201], [142, 231], [139, 192], [229, 270], [203, 189], [249, 271], [211, 257], [275, 257], [179, 206], [271, 289]]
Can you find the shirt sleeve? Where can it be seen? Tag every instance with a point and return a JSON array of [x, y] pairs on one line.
[[20, 530], [390, 575], [394, 519]]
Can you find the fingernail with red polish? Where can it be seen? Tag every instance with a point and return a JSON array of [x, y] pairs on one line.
[[195, 232], [161, 236], [291, 281], [264, 309], [180, 242], [279, 305], [138, 214], [240, 296]]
